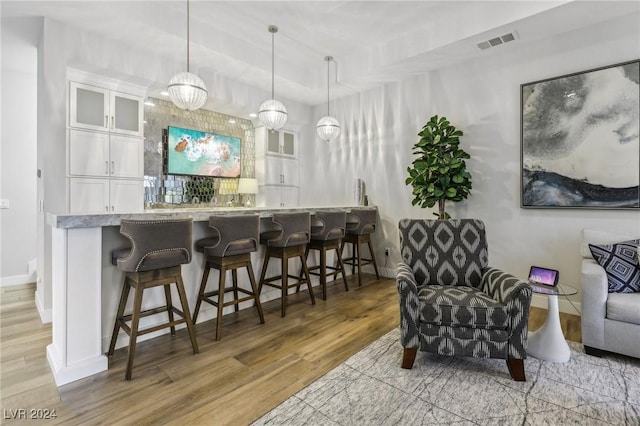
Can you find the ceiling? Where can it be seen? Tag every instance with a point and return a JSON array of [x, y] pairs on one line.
[[373, 42]]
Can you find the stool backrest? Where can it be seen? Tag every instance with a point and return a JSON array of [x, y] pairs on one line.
[[333, 225], [244, 229], [156, 244], [296, 229], [361, 221]]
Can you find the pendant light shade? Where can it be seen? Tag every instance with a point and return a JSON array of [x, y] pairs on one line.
[[186, 90], [272, 113], [328, 128]]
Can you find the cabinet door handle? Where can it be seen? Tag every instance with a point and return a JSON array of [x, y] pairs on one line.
[[113, 122], [106, 167], [113, 167], [111, 208], [106, 208], [106, 121]]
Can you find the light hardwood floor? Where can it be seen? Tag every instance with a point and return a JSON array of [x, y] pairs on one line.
[[234, 381]]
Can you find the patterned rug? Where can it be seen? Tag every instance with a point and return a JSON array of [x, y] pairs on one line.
[[371, 388]]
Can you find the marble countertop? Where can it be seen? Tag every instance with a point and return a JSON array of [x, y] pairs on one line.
[[84, 220]]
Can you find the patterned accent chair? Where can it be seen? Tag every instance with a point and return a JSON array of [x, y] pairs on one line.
[[451, 302]]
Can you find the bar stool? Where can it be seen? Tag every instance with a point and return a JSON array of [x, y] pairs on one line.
[[288, 241], [158, 249], [230, 249], [327, 237], [361, 223]]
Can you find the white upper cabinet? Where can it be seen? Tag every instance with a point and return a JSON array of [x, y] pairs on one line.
[[276, 142], [95, 108], [103, 155]]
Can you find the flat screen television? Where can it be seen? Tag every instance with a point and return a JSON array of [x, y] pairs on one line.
[[197, 153]]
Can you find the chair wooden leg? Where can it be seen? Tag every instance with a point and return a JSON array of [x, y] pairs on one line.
[[408, 357], [265, 264], [167, 297], [203, 285], [373, 258], [323, 273], [135, 321], [359, 257], [341, 267], [256, 294], [124, 295], [187, 316], [308, 278], [284, 285], [234, 275], [306, 256], [221, 284], [516, 369]]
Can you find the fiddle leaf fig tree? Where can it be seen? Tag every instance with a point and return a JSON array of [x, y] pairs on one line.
[[439, 172]]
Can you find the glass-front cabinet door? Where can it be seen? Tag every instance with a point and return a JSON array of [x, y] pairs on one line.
[[126, 114], [89, 107]]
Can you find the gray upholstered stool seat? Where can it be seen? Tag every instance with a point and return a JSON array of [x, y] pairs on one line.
[[287, 241], [325, 237], [159, 248], [236, 237], [361, 223]]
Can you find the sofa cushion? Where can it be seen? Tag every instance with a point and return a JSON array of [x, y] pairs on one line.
[[620, 262], [461, 306], [624, 307]]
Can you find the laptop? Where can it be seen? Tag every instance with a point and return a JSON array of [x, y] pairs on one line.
[[543, 280]]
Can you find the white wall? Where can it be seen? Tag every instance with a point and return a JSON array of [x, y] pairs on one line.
[[18, 150], [481, 98]]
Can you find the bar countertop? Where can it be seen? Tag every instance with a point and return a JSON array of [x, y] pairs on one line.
[[95, 220]]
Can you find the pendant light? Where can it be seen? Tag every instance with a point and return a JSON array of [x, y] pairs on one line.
[[272, 113], [186, 90], [328, 127]]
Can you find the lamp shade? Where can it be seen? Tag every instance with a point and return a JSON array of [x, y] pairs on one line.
[[187, 91], [247, 186], [328, 128], [272, 114]]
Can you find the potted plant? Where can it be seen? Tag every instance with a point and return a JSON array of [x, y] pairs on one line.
[[439, 173]]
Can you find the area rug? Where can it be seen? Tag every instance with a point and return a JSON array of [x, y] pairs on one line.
[[371, 388]]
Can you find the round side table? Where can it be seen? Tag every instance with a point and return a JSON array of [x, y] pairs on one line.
[[548, 342]]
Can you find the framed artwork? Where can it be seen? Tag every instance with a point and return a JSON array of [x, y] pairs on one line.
[[196, 153], [579, 139]]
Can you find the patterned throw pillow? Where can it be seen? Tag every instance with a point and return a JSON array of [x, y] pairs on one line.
[[620, 261]]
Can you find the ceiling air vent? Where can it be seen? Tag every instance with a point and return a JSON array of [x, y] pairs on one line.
[[496, 41]]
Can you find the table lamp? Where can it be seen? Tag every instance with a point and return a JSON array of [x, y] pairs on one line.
[[247, 186]]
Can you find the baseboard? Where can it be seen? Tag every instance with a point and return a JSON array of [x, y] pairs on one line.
[[46, 315], [387, 272], [565, 306], [17, 280]]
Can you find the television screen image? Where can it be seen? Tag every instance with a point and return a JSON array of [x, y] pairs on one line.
[[196, 153]]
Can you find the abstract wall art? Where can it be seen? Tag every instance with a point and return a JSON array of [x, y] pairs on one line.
[[579, 139]]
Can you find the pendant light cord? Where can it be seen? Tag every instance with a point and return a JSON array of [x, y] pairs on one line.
[[187, 35], [328, 60], [273, 66]]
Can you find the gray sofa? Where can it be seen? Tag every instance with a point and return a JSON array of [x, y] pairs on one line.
[[610, 321]]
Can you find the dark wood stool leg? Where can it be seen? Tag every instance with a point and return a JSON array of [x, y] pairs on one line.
[[341, 266], [408, 357], [323, 273], [187, 316], [265, 263], [234, 276], [256, 294], [203, 285], [167, 297], [124, 295], [308, 276], [358, 255], [516, 369], [221, 284], [306, 256], [135, 321], [285, 285], [373, 258]]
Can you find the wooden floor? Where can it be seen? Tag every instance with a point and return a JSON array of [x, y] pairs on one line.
[[234, 381]]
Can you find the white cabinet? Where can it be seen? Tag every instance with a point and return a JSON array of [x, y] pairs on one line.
[[95, 108], [105, 155], [95, 195], [277, 196], [276, 168]]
